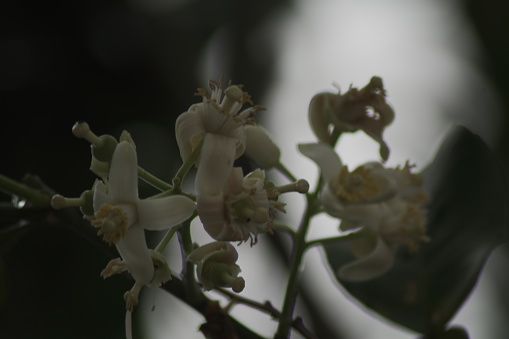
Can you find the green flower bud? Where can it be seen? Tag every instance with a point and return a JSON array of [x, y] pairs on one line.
[[104, 152]]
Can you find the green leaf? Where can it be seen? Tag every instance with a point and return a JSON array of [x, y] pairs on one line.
[[468, 218]]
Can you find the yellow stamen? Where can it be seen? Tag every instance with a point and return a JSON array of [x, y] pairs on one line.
[[357, 186], [413, 228], [112, 223]]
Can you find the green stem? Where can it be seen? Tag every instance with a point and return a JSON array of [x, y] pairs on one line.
[[284, 228], [186, 166], [292, 289], [281, 168], [266, 307], [37, 197], [153, 180], [186, 243], [166, 239], [337, 239]]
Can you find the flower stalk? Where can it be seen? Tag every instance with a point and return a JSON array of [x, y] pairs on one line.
[[37, 197]]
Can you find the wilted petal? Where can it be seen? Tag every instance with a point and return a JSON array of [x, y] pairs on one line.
[[212, 215], [134, 252], [325, 157], [123, 177], [319, 115], [163, 213], [216, 162], [379, 261]]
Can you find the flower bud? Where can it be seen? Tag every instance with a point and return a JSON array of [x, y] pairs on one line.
[[260, 147], [104, 152], [216, 266]]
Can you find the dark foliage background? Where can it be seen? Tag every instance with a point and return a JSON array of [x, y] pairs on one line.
[[116, 66]]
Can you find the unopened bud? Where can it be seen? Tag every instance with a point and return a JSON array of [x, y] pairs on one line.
[[82, 130], [260, 147]]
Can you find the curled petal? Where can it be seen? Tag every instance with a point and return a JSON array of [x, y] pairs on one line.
[[123, 177], [378, 262], [210, 209], [240, 140], [234, 183], [212, 215], [163, 213], [216, 162], [319, 115], [228, 253], [135, 254], [324, 156], [189, 130]]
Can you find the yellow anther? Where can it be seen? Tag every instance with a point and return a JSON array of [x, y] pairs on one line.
[[357, 186], [112, 223]]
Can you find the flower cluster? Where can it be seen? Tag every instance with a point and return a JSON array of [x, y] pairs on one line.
[[386, 205]]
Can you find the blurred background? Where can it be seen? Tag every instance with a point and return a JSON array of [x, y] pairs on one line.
[[136, 64]]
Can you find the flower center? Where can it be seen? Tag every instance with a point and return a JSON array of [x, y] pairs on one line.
[[411, 228], [355, 187], [114, 221]]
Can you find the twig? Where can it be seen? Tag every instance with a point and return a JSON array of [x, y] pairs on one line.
[[267, 308]]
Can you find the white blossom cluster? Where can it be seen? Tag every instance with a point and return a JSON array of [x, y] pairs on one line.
[[385, 204]]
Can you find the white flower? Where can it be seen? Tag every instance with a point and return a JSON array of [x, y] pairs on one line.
[[240, 211], [122, 216], [364, 109], [219, 123], [387, 203]]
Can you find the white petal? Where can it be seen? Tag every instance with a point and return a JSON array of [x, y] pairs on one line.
[[163, 213], [133, 250], [201, 252], [324, 156], [101, 196], [239, 135], [212, 215], [216, 162], [123, 178], [188, 126], [234, 183], [378, 262]]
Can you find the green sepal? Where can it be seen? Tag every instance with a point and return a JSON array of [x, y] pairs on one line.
[[104, 153]]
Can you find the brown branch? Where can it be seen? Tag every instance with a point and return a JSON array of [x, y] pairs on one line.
[[267, 308]]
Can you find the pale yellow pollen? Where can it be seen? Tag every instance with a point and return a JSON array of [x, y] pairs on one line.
[[412, 228], [112, 223], [357, 186]]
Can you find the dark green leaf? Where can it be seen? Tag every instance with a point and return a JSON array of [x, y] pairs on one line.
[[468, 218]]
